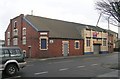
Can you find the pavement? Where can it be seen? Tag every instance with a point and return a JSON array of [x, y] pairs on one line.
[[111, 74], [114, 73]]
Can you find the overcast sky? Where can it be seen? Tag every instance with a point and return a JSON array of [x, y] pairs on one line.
[[80, 11]]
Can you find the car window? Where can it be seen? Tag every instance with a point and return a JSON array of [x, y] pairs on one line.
[[1, 53], [4, 53], [14, 52]]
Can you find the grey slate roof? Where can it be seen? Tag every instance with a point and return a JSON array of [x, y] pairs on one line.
[[56, 28]]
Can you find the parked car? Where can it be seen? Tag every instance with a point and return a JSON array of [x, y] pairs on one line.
[[11, 60]]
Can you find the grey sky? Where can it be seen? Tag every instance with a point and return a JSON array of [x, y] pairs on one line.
[[80, 11]]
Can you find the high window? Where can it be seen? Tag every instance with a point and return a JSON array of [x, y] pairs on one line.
[[15, 41], [24, 31], [15, 32], [104, 42], [15, 24], [24, 41], [8, 35], [77, 44], [88, 42], [8, 42]]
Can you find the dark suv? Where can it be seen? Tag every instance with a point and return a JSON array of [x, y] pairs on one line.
[[11, 60]]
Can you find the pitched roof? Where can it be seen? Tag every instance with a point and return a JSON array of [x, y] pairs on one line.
[[59, 28], [56, 28]]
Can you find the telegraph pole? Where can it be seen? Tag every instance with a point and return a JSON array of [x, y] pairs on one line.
[[99, 19]]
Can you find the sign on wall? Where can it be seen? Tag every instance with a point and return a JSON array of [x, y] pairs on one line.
[[95, 34]]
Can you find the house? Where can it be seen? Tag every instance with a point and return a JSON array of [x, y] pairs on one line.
[[95, 40], [44, 37]]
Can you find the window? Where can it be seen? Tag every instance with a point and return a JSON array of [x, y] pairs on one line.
[[15, 41], [15, 52], [8, 42], [15, 32], [77, 44], [24, 31], [24, 41], [104, 42], [88, 42], [8, 35], [43, 43], [15, 24], [4, 53]]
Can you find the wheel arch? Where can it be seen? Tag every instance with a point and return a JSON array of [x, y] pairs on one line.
[[11, 62]]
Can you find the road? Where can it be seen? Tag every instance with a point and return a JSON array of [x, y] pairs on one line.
[[82, 66]]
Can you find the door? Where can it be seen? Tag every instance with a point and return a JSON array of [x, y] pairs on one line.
[[96, 49], [65, 48]]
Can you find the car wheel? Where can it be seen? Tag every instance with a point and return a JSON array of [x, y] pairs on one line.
[[11, 70]]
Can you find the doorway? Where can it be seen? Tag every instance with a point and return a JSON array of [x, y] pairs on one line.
[[65, 48], [96, 49]]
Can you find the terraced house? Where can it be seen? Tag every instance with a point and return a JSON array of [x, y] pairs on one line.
[[44, 37]]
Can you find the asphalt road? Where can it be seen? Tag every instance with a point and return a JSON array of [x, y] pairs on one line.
[[82, 66]]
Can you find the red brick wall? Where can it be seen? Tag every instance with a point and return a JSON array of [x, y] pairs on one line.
[[73, 51], [11, 27], [110, 45], [32, 37], [55, 48]]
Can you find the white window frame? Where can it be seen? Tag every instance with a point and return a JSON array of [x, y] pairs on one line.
[[43, 37], [15, 41], [88, 43], [24, 31], [24, 41], [78, 44], [8, 34], [15, 32], [104, 42], [15, 24], [8, 42]]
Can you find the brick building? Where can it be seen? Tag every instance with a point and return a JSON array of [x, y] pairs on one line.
[[44, 37]]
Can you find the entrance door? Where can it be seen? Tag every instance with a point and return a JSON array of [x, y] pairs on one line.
[[96, 49], [65, 48]]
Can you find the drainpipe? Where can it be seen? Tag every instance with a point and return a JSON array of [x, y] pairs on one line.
[[108, 32]]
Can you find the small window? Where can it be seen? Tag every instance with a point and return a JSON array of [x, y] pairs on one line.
[[24, 41], [4, 53], [24, 31], [43, 43], [87, 42], [104, 42], [15, 32], [77, 44], [8, 35], [15, 41], [15, 24], [8, 42]]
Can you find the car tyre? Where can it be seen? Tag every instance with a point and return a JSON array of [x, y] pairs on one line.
[[11, 70]]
